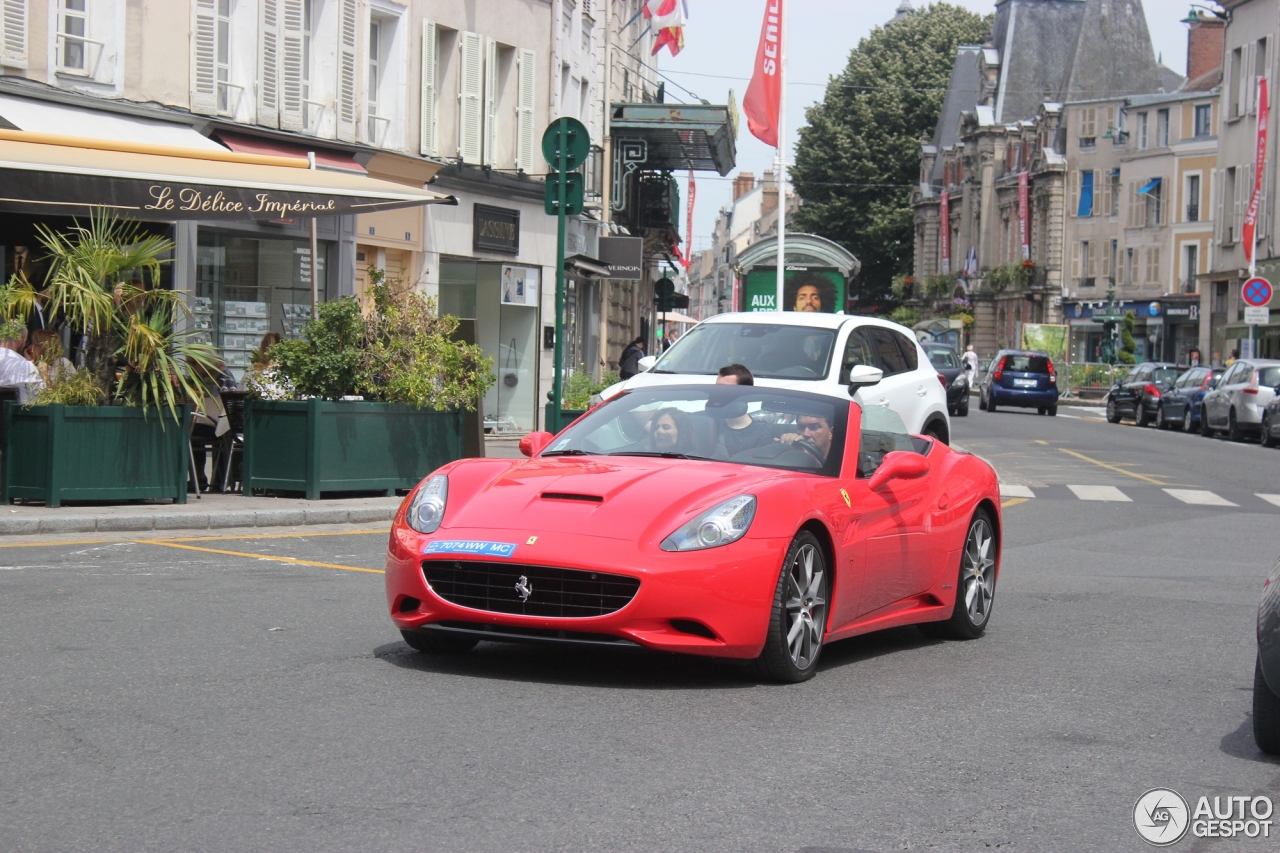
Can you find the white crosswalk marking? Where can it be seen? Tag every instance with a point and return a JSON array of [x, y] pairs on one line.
[[1271, 499], [1100, 493], [1010, 491], [1199, 497]]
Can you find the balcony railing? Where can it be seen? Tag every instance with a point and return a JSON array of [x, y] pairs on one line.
[[1193, 213]]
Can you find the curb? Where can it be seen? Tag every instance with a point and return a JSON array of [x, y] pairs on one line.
[[194, 520]]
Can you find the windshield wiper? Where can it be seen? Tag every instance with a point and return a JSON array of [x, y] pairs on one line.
[[660, 454], [572, 452], [671, 372]]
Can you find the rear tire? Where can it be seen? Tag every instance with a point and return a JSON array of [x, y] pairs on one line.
[[798, 620], [439, 644], [1113, 414], [991, 406], [1266, 713], [982, 402], [1140, 416], [1234, 430], [1268, 440], [1205, 429], [1053, 410], [1186, 419], [975, 585], [1040, 410], [962, 410]]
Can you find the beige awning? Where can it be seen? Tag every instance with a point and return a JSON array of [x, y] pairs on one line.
[[69, 175], [675, 317]]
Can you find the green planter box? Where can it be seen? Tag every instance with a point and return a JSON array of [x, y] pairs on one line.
[[567, 416], [62, 453], [315, 446]]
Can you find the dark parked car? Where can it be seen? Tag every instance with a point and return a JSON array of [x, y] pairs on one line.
[[1271, 421], [1140, 391], [1266, 670], [1180, 405], [1022, 379], [947, 363]]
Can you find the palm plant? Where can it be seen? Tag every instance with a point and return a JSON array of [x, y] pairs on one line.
[[104, 282]]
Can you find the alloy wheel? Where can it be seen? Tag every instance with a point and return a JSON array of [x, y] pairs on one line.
[[1186, 419], [805, 607], [978, 571]]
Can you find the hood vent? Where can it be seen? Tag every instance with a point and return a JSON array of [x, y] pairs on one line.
[[570, 496]]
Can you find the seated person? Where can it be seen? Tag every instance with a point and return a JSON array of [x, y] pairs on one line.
[[665, 430], [739, 431], [816, 431], [15, 371]]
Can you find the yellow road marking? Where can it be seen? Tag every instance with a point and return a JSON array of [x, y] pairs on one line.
[[1039, 441], [55, 544], [294, 560], [182, 538], [1013, 502], [1115, 468]]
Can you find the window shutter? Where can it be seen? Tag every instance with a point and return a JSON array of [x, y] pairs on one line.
[[346, 108], [204, 86], [430, 53], [1102, 193], [1075, 261], [1244, 186], [470, 96], [268, 65], [1218, 230], [13, 45], [1106, 259], [1153, 265], [1073, 194], [490, 101], [524, 110], [1092, 271], [1090, 123], [291, 69], [1133, 204]]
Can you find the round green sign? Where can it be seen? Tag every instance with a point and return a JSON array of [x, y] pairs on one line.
[[570, 135]]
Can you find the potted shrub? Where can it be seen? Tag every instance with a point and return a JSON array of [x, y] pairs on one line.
[[114, 428], [578, 389], [365, 401]]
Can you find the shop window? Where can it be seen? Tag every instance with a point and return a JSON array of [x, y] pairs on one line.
[[249, 286]]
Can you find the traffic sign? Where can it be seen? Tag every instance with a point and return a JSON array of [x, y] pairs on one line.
[[1256, 292], [570, 135], [573, 193], [1257, 316]]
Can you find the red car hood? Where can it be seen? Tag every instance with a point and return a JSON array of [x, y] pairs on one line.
[[617, 498]]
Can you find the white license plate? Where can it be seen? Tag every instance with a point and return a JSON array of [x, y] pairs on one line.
[[1024, 383]]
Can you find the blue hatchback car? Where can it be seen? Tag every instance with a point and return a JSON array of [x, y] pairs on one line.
[[1022, 379]]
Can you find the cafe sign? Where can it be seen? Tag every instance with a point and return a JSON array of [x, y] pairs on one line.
[[496, 229]]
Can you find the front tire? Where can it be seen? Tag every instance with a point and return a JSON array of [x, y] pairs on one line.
[[798, 621], [1205, 429], [1266, 713], [1113, 414], [1186, 419], [976, 587], [439, 644], [1267, 440], [962, 410], [1140, 416]]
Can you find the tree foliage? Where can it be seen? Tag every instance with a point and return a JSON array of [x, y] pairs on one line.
[[859, 155]]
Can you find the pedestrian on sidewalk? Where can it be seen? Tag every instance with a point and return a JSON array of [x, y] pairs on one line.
[[629, 362], [970, 362]]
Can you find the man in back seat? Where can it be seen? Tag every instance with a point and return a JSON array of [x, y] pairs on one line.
[[738, 431]]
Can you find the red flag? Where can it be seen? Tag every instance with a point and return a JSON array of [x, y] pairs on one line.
[[944, 232], [765, 91], [1260, 165], [1024, 222], [688, 243]]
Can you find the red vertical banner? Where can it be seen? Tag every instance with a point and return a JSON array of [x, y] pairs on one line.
[[688, 229], [944, 233], [1024, 223], [764, 93], [1259, 166]]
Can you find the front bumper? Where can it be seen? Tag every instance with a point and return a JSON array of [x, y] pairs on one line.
[[727, 591], [1026, 398]]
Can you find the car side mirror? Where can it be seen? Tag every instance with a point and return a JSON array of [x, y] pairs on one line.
[[534, 443], [899, 465], [863, 376], [648, 362]]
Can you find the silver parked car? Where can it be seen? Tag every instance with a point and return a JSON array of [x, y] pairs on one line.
[[1235, 405]]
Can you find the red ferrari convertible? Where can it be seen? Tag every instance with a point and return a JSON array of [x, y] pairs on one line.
[[722, 520]]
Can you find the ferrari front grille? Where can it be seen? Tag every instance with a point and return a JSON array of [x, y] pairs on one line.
[[528, 590]]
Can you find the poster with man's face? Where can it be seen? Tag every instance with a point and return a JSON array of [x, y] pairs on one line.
[[805, 289]]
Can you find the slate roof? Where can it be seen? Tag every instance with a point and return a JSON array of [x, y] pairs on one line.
[[963, 91], [1170, 80]]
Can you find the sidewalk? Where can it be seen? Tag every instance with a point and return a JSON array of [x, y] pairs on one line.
[[211, 511]]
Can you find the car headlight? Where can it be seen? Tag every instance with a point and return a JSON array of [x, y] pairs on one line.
[[427, 510], [718, 526], [960, 381]]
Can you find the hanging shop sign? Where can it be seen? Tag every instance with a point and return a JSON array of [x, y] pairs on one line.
[[496, 229], [624, 256]]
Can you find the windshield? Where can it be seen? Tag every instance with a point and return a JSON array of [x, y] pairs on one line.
[[1269, 377], [730, 423], [1026, 364], [942, 358], [768, 351]]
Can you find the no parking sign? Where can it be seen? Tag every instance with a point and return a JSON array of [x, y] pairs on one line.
[[1256, 292]]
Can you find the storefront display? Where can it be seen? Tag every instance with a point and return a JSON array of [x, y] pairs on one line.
[[249, 286]]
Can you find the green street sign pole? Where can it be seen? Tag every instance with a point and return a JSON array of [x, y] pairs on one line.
[[558, 380]]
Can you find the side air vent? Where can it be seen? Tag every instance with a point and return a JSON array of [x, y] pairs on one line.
[[570, 496]]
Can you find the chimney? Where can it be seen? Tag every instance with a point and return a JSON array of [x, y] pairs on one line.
[[768, 194], [744, 183], [1204, 43]]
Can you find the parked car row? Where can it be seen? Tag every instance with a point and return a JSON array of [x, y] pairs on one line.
[[1242, 400]]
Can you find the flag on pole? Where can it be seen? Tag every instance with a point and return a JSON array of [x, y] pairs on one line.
[[971, 263], [1251, 213], [667, 18], [688, 229], [764, 94]]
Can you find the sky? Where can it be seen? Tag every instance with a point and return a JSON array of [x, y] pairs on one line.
[[720, 47]]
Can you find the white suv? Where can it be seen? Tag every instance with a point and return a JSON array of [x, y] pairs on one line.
[[808, 352], [1235, 404]]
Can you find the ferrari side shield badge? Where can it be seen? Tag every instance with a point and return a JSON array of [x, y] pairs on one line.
[[845, 495]]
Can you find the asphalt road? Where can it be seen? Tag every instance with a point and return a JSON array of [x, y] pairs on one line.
[[165, 698]]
